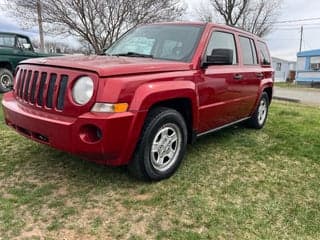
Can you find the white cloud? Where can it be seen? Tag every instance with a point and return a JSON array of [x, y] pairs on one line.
[[284, 42]]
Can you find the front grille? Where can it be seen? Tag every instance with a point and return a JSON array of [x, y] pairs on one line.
[[42, 89]]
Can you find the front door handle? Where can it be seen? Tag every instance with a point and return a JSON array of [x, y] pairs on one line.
[[238, 76], [260, 75]]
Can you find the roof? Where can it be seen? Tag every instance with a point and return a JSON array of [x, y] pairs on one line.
[[282, 60], [315, 52], [223, 26], [13, 34]]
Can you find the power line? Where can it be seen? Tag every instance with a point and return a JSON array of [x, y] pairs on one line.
[[294, 24], [295, 28], [297, 20]]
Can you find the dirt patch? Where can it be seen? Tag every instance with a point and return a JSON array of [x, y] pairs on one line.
[[35, 232]]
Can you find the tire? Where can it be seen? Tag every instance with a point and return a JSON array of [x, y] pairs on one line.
[[259, 117], [161, 147], [6, 80]]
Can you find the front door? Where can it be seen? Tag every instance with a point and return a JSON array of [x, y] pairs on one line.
[[220, 88]]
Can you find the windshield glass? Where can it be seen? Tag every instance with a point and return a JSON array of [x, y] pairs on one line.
[[6, 40], [170, 42]]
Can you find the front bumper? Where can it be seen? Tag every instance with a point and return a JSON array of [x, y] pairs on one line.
[[114, 146]]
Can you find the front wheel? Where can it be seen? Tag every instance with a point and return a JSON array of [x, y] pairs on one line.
[[259, 117], [161, 147], [6, 80]]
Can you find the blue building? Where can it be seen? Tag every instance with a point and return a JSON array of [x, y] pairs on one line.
[[308, 68]]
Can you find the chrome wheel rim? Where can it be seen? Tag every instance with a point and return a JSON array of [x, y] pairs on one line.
[[165, 147], [262, 111], [5, 81]]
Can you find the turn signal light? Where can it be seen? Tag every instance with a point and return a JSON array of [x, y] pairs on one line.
[[110, 108]]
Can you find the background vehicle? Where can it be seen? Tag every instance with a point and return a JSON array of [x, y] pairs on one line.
[[160, 87], [13, 49]]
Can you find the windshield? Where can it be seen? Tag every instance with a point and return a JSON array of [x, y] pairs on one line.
[[170, 42], [7, 40]]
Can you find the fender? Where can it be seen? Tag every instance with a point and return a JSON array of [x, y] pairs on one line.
[[8, 65], [265, 83], [152, 93]]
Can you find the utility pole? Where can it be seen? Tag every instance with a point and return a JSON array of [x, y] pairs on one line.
[[301, 38], [39, 10]]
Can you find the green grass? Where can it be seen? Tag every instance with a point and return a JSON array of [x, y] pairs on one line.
[[235, 184], [295, 86]]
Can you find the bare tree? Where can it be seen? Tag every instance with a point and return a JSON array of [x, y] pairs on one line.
[[231, 10], [28, 13], [260, 16], [101, 22], [204, 11], [256, 16]]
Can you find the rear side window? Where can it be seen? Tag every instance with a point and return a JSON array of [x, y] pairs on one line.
[[222, 40], [249, 53], [264, 54]]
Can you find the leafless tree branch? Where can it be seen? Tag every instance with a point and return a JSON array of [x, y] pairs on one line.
[[97, 22]]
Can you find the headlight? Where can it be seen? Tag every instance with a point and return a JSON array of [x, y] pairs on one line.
[[82, 90]]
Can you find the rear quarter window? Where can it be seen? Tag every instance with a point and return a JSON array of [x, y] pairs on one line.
[[264, 54]]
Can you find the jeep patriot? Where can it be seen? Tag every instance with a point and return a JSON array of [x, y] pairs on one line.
[[156, 89]]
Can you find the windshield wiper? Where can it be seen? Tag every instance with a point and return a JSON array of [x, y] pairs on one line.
[[133, 54]]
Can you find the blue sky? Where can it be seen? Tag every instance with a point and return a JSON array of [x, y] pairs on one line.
[[283, 41]]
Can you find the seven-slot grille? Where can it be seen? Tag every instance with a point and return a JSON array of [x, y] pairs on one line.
[[42, 89]]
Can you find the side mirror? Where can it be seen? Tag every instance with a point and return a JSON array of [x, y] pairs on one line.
[[220, 56]]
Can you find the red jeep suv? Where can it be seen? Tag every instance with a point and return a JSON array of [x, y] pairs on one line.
[[157, 88]]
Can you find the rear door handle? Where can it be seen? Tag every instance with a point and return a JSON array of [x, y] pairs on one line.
[[237, 76]]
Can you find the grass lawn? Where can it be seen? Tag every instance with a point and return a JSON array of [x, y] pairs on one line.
[[295, 86], [234, 184]]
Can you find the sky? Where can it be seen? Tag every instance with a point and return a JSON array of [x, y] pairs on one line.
[[283, 41]]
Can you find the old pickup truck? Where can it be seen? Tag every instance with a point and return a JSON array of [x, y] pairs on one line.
[[13, 49], [156, 89]]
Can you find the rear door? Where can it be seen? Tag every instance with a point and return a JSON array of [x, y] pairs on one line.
[[252, 74]]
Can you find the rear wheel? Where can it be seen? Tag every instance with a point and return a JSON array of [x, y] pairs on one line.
[[260, 115], [161, 147], [6, 80]]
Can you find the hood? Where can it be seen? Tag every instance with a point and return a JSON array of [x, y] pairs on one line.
[[111, 65]]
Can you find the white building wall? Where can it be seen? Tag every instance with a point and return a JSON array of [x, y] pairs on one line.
[[281, 69]]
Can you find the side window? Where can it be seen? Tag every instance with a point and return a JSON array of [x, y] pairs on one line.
[[249, 53], [315, 63], [264, 54], [278, 67], [6, 40], [23, 43], [222, 40]]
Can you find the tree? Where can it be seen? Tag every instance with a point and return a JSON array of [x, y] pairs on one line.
[[231, 10], [256, 16], [29, 14], [204, 12], [101, 22], [260, 16]]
